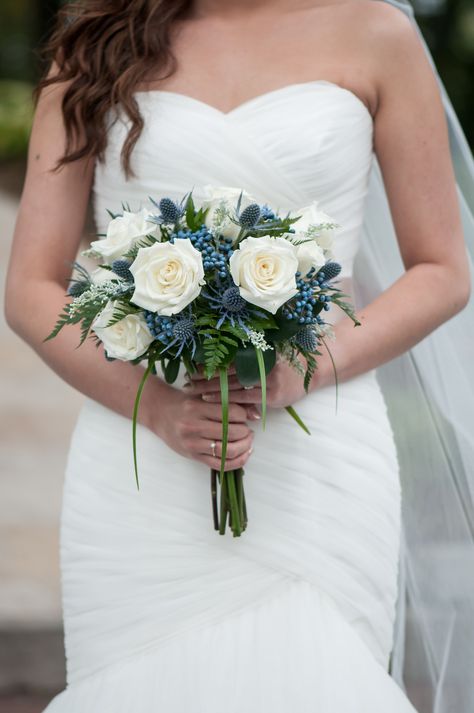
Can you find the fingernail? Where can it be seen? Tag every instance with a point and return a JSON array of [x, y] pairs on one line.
[[250, 451], [207, 397], [256, 417]]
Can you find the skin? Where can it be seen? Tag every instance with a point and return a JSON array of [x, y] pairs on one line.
[[365, 46]]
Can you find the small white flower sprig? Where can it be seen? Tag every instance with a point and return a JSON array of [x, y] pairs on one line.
[[226, 282]]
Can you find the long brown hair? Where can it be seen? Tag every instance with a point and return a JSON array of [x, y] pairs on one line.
[[103, 49]]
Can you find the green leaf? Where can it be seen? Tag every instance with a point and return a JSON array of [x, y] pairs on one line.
[[298, 419], [61, 322], [224, 384], [263, 383], [235, 330], [334, 368], [135, 414], [286, 328], [171, 370], [122, 310], [345, 306], [145, 242], [190, 212], [259, 324], [247, 367], [311, 366]]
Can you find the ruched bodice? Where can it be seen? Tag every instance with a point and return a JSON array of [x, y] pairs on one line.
[[288, 147]]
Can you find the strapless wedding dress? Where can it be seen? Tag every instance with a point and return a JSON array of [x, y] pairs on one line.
[[162, 613]]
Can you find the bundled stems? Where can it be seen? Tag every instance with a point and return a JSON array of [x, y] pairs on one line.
[[232, 501]]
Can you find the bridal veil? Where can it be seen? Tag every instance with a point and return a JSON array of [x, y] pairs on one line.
[[430, 397]]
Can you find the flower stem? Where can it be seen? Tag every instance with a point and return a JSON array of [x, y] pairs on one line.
[[223, 503], [236, 527], [214, 498]]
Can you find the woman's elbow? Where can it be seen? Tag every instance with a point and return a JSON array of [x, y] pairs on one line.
[[462, 292], [12, 310]]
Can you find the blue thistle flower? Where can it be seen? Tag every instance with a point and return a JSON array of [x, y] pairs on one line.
[[122, 269], [170, 211], [267, 213], [183, 329], [171, 331], [224, 297], [232, 300], [329, 271], [250, 216], [306, 339], [77, 288]]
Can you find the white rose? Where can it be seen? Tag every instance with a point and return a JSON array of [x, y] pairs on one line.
[[168, 276], [264, 270], [101, 275], [224, 198], [127, 339], [309, 255], [311, 216], [123, 232]]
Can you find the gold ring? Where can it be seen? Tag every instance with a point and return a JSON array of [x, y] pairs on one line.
[[213, 448]]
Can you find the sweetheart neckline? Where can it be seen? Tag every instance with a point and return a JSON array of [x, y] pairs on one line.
[[259, 97]]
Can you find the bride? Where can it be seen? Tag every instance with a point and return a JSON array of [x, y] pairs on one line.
[[294, 101]]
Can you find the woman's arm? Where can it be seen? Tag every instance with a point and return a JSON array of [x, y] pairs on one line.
[[47, 235], [412, 147]]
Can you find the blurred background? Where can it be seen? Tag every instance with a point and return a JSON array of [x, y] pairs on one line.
[[38, 410]]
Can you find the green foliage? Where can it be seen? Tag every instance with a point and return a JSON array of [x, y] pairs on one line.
[[171, 370], [121, 310], [145, 242], [219, 349], [338, 299], [247, 365], [16, 115], [311, 366], [83, 311]]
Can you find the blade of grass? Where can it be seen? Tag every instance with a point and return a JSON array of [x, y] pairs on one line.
[[334, 369], [298, 419], [263, 384], [224, 384], [135, 414]]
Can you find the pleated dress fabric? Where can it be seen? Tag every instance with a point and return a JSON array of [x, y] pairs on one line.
[[162, 613]]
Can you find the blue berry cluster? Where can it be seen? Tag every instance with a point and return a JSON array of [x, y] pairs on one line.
[[307, 299], [213, 257], [160, 327]]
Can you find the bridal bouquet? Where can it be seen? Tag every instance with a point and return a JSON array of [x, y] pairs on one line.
[[226, 283]]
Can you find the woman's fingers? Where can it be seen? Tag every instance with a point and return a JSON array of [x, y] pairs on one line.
[[230, 464], [235, 449], [203, 386], [200, 376], [237, 396], [213, 411], [212, 431]]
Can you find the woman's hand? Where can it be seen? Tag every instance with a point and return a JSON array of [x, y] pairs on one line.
[[284, 388], [190, 426]]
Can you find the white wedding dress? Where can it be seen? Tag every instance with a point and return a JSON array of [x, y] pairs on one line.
[[162, 613]]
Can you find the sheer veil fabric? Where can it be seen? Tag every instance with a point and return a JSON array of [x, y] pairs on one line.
[[430, 396]]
